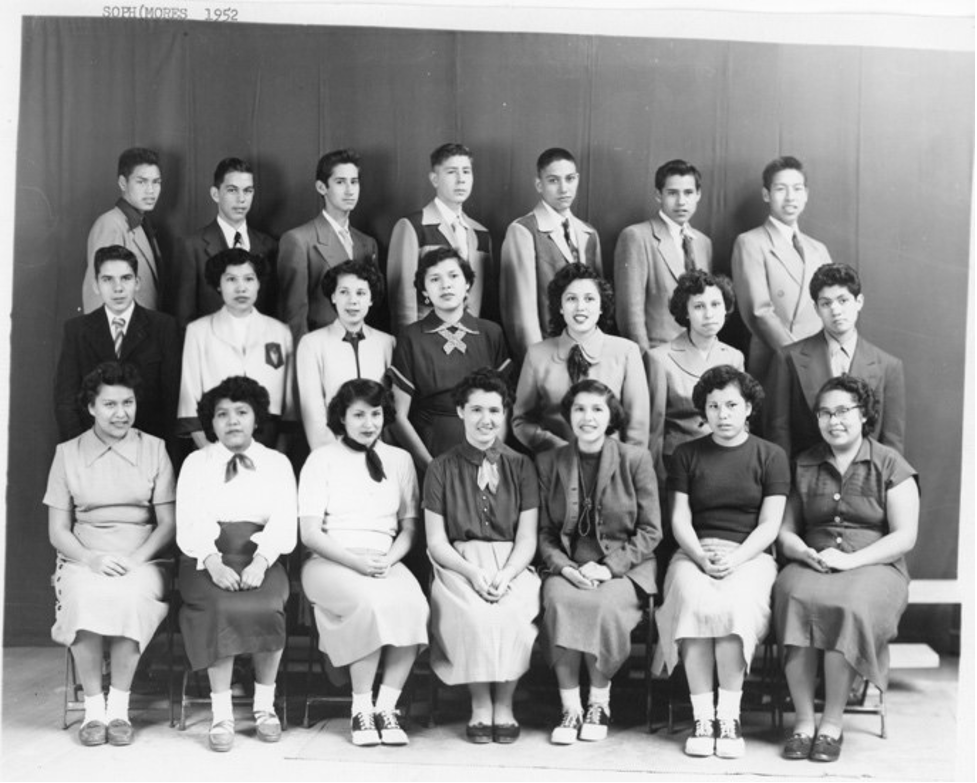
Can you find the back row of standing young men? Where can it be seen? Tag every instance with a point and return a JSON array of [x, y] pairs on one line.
[[772, 264]]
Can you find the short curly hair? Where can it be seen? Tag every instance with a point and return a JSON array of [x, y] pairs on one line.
[[371, 392], [559, 284], [829, 275], [720, 377], [109, 374], [694, 283], [236, 388], [233, 256], [619, 416], [361, 268], [434, 257], [860, 391], [482, 379]]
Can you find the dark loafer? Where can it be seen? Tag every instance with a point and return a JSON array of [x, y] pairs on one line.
[[93, 733], [505, 733], [119, 732], [479, 733], [798, 746], [826, 748]]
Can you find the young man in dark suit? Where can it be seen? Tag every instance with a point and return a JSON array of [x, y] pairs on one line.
[[799, 370], [233, 192], [125, 331], [308, 251]]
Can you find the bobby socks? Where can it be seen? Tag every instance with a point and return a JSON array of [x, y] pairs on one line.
[[702, 706], [387, 699], [363, 702], [221, 707], [728, 706], [264, 697], [117, 705], [94, 708], [601, 696], [570, 699]]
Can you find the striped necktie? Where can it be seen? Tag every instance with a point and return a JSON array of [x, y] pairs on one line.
[[118, 334]]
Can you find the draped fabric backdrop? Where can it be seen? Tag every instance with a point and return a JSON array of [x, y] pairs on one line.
[[886, 135]]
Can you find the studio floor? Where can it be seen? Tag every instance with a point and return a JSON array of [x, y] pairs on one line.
[[921, 743]]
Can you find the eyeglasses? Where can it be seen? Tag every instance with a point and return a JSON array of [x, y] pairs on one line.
[[824, 414]]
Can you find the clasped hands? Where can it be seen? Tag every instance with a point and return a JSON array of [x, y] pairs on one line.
[[112, 563], [490, 587], [226, 578], [717, 562], [830, 559], [588, 576]]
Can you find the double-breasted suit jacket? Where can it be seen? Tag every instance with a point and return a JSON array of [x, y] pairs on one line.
[[113, 228], [151, 343], [533, 251], [771, 282], [647, 265], [193, 296], [305, 254], [800, 370], [412, 237]]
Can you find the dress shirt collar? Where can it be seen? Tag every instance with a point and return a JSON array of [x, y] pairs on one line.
[[448, 215], [134, 216], [674, 228], [849, 344], [787, 232], [591, 346], [92, 447], [475, 455], [125, 316], [229, 231], [220, 453], [336, 225], [821, 454], [468, 322], [557, 218]]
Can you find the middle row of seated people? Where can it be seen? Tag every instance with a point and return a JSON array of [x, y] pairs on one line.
[[593, 507]]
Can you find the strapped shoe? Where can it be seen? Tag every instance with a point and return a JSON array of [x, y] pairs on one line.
[[729, 739], [595, 722], [702, 741], [267, 726], [93, 733], [221, 736], [388, 724], [505, 733], [566, 733], [826, 748], [797, 746], [363, 728], [479, 733], [119, 732]]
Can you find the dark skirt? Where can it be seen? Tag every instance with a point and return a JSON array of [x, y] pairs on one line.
[[217, 623]]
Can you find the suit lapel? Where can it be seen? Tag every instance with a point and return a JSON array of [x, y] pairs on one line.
[[98, 334], [813, 366], [610, 460], [865, 363], [136, 333], [785, 254], [666, 247], [548, 225], [213, 239]]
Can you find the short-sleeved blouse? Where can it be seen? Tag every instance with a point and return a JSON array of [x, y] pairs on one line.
[[848, 511], [726, 485], [336, 486], [470, 513], [110, 482]]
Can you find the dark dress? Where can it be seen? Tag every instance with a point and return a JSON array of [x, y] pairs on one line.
[[427, 366], [853, 612]]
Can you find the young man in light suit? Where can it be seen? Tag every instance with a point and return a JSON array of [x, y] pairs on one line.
[[537, 246], [148, 339], [772, 269], [442, 223], [233, 192], [650, 257], [799, 370], [127, 224], [306, 252]]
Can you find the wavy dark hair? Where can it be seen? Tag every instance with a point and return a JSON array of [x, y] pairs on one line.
[[720, 377], [619, 416], [236, 388], [561, 281], [373, 393], [109, 374], [482, 379], [434, 257], [233, 256], [860, 391], [694, 283], [361, 268]]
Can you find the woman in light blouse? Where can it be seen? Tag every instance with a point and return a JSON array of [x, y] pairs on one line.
[[236, 515], [345, 349], [358, 510]]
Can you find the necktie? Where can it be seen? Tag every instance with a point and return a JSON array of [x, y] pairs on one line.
[[353, 338], [346, 239], [232, 465], [238, 241], [570, 243], [841, 361], [488, 471], [577, 364], [461, 238], [688, 251], [118, 334], [374, 466], [796, 240]]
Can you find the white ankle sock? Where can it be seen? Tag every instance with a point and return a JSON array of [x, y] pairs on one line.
[[570, 699], [264, 697], [601, 696], [94, 708], [362, 702], [728, 706], [117, 705], [702, 706], [221, 707], [387, 699]]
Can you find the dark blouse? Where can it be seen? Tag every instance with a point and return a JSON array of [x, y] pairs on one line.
[[427, 366], [847, 511], [585, 546], [451, 490], [726, 485]]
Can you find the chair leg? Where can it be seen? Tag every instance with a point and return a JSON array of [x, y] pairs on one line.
[[183, 699], [882, 731], [69, 686]]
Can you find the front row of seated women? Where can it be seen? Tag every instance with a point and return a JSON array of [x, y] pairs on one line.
[[591, 506]]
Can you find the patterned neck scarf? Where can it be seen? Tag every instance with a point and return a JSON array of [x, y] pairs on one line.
[[374, 465]]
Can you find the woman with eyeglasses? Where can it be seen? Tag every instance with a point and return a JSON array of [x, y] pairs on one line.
[[852, 516]]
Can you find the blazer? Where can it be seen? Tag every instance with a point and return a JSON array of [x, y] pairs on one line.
[[210, 354], [533, 251], [304, 255], [544, 379], [673, 371], [152, 343], [412, 237], [800, 370], [112, 228], [771, 283], [193, 296], [647, 265], [628, 517]]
